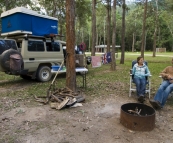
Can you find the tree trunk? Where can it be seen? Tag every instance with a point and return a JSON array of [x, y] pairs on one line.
[[143, 29], [155, 31], [93, 27], [154, 42], [133, 43], [108, 24], [70, 35], [123, 33], [113, 63], [134, 36]]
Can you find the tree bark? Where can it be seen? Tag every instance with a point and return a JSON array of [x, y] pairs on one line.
[[134, 40], [108, 24], [93, 27], [143, 29], [155, 31], [113, 63], [70, 35], [134, 36], [123, 33]]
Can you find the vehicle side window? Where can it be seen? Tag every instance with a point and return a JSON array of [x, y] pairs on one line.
[[7, 44], [36, 46], [53, 46]]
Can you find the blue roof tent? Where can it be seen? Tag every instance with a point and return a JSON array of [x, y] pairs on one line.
[[24, 21]]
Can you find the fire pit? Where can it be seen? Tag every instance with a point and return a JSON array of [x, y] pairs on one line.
[[138, 117]]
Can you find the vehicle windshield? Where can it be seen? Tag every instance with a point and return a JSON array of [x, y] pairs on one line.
[[7, 44]]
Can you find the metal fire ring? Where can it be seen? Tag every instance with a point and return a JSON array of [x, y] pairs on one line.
[[137, 117]]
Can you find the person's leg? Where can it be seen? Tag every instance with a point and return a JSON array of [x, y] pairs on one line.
[[143, 86], [157, 103], [137, 82], [166, 93], [160, 91]]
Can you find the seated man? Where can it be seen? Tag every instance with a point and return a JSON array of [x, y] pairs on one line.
[[140, 71], [165, 88]]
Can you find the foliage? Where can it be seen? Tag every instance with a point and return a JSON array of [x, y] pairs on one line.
[[83, 20], [9, 4]]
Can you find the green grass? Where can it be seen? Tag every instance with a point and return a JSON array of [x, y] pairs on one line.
[[100, 81]]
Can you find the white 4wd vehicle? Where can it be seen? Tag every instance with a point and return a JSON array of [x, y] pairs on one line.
[[30, 56]]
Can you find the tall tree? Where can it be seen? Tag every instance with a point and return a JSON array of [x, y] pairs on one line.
[[113, 63], [144, 29], [108, 24], [70, 35], [123, 33], [93, 27], [155, 31]]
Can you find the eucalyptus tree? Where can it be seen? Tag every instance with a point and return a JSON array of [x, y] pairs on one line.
[[113, 63], [93, 27], [70, 34], [123, 33], [156, 29], [144, 28], [108, 8]]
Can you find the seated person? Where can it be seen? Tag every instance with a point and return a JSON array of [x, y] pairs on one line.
[[165, 88], [140, 71]]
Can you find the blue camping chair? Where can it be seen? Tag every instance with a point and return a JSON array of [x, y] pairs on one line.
[[132, 84]]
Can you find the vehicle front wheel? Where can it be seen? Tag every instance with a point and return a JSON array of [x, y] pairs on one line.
[[44, 74]]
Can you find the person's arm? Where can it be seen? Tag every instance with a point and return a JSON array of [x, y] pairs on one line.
[[164, 74], [147, 72]]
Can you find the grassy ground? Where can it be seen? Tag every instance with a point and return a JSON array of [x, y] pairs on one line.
[[100, 81], [103, 86]]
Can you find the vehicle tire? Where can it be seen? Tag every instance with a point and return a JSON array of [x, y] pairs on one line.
[[44, 74], [5, 58], [26, 77]]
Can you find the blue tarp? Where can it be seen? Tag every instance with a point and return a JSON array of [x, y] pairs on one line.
[[38, 26]]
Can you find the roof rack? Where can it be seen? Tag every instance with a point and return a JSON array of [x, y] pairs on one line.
[[34, 36]]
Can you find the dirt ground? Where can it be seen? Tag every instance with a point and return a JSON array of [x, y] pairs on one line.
[[97, 121]]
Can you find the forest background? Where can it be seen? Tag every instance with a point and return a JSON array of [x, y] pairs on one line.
[[138, 25], [159, 15]]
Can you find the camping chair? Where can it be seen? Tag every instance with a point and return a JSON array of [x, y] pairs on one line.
[[132, 84]]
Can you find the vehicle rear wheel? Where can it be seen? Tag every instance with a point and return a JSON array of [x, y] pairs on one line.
[[44, 74]]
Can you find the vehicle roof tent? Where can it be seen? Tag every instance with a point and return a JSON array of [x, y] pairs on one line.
[[21, 20]]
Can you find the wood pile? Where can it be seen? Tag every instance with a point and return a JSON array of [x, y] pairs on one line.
[[60, 98]]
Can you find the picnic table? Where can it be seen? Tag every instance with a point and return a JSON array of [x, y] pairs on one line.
[[82, 70]]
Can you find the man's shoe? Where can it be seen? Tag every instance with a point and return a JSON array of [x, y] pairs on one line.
[[141, 99], [156, 104]]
